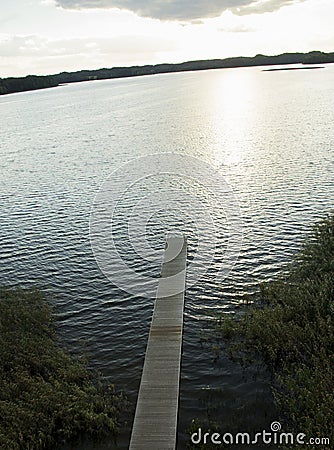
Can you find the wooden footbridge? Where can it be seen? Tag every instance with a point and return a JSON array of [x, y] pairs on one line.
[[155, 423]]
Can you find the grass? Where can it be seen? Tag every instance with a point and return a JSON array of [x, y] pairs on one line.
[[291, 326], [47, 397]]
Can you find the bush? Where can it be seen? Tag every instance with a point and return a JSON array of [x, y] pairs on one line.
[[47, 397], [292, 328]]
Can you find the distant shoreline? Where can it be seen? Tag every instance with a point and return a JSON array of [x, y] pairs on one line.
[[292, 68], [12, 85]]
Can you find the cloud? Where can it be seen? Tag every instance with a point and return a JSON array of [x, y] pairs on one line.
[[181, 10], [33, 45], [263, 6], [21, 46], [33, 54], [238, 29]]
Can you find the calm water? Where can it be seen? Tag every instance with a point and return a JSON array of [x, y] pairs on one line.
[[269, 134]]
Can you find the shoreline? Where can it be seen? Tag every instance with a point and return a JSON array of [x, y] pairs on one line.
[[293, 68], [13, 85]]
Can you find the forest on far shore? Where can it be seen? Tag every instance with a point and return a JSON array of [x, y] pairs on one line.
[[33, 82]]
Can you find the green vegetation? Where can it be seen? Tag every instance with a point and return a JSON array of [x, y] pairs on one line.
[[32, 82], [29, 83], [46, 396], [292, 328]]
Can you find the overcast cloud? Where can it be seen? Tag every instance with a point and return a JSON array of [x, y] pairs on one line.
[[36, 45], [52, 56], [182, 10]]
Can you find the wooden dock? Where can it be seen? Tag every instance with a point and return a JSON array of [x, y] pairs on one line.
[[155, 423]]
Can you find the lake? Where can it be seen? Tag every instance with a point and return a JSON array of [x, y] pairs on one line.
[[268, 138]]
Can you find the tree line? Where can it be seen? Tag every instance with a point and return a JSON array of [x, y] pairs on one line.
[[33, 82]]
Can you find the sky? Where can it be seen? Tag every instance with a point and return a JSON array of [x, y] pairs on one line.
[[51, 36]]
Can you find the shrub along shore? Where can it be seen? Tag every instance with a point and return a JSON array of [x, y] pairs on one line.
[[291, 326], [47, 397]]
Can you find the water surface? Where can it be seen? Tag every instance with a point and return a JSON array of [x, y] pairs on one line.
[[269, 134]]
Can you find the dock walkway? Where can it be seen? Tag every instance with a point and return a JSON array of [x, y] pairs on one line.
[[155, 423]]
